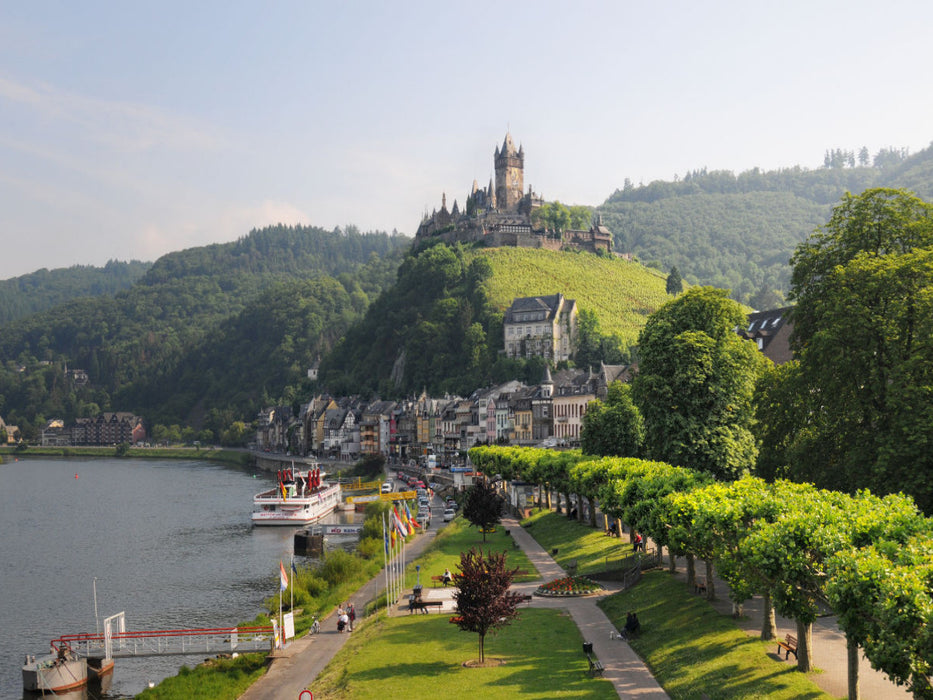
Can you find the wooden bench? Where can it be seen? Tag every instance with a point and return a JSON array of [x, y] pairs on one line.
[[699, 584], [522, 572], [424, 605], [456, 620], [789, 645], [596, 668], [440, 579]]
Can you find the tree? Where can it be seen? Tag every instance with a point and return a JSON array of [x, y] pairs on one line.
[[614, 428], [483, 599], [863, 335], [695, 384], [483, 505], [675, 283]]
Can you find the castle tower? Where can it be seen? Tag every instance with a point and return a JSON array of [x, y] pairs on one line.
[[510, 175]]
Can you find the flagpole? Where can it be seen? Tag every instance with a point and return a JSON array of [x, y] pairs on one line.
[[292, 587], [385, 561]]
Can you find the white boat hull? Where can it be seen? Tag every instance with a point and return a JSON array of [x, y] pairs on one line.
[[49, 673], [270, 508]]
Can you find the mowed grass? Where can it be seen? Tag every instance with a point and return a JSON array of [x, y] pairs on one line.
[[695, 652], [423, 656], [458, 536], [692, 650], [589, 547]]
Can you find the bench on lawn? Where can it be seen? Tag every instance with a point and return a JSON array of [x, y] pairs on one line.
[[522, 572], [423, 605], [699, 584], [440, 579], [456, 620], [527, 598], [596, 668], [789, 645]]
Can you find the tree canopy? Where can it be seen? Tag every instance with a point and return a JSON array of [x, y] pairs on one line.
[[695, 384], [863, 337]]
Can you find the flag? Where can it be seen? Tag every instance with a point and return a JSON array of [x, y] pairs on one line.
[[399, 525], [385, 536], [393, 539], [283, 577], [284, 495], [294, 568], [412, 523]]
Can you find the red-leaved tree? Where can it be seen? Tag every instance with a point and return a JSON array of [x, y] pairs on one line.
[[483, 598]]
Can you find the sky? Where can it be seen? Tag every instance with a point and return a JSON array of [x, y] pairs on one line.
[[131, 129]]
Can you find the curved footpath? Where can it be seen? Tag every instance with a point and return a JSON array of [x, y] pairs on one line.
[[294, 668]]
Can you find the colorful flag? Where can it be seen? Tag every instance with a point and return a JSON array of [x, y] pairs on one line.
[[284, 495], [385, 536], [283, 577]]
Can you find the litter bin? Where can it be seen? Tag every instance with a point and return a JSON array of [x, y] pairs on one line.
[[587, 647]]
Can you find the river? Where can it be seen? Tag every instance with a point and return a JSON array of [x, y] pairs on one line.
[[169, 543]]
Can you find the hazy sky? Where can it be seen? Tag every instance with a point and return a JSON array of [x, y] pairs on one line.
[[131, 129]]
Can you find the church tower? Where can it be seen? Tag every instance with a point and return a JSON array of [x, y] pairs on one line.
[[510, 175]]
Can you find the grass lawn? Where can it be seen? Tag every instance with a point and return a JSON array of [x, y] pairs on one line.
[[458, 536], [422, 656], [695, 652], [591, 548]]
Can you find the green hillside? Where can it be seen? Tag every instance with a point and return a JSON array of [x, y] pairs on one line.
[[439, 329], [207, 333], [619, 292], [739, 231], [44, 289]]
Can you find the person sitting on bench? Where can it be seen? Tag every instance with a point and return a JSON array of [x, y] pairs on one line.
[[448, 577], [613, 529]]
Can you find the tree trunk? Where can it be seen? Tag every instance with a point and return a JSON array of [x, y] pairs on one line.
[[710, 584], [737, 609], [691, 571], [547, 493], [482, 651], [768, 623], [671, 561], [592, 512], [804, 655], [619, 526], [580, 502], [852, 649], [569, 502]]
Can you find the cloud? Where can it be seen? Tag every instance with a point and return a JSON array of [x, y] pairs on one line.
[[126, 126]]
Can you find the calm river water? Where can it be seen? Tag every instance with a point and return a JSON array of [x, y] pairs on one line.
[[169, 542]]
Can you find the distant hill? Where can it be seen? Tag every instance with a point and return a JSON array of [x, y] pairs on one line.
[[263, 308], [439, 329], [43, 289], [739, 231]]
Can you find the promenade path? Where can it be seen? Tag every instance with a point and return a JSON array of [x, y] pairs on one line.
[[294, 668], [829, 644]]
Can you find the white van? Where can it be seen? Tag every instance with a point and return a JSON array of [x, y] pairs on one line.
[[387, 487]]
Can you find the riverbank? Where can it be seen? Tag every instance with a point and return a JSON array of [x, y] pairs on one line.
[[240, 458]]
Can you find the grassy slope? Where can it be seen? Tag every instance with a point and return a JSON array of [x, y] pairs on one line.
[[621, 293]]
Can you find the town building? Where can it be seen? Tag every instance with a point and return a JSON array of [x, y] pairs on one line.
[[544, 326], [771, 330]]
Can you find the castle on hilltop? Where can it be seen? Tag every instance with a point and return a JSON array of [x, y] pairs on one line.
[[501, 214]]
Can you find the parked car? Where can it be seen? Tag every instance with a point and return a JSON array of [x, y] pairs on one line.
[[449, 514]]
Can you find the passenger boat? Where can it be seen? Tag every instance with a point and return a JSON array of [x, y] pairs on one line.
[[298, 498], [56, 672]]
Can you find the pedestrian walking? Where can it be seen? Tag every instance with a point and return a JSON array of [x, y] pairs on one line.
[[351, 615]]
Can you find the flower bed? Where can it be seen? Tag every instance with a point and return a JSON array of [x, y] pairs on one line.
[[569, 586]]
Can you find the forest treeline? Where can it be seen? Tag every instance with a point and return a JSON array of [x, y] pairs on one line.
[[203, 335], [43, 289], [738, 232]]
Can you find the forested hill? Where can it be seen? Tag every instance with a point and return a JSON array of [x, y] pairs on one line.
[[739, 231], [43, 289], [263, 308], [439, 329]]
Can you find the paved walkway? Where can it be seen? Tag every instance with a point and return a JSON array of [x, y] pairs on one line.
[[829, 644], [294, 668]]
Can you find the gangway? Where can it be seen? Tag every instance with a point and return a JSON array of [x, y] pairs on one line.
[[123, 644]]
